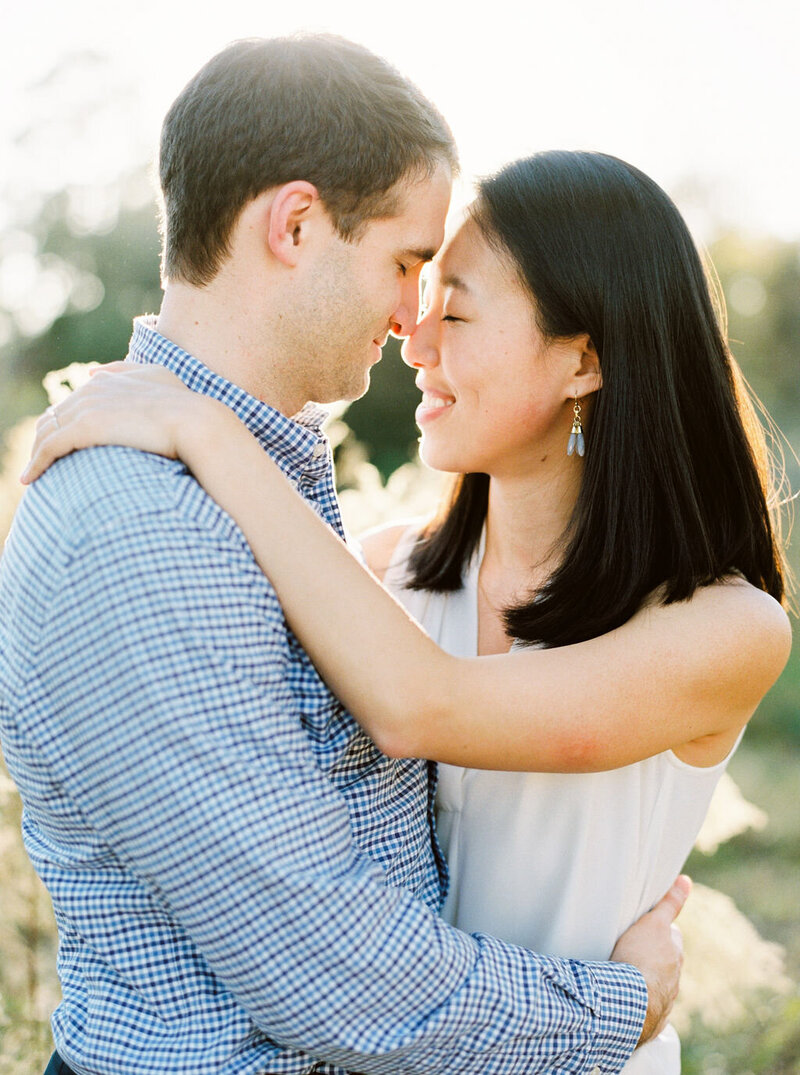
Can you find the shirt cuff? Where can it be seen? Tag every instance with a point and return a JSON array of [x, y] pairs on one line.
[[619, 1011]]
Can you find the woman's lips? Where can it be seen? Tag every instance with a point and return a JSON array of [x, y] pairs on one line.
[[433, 406]]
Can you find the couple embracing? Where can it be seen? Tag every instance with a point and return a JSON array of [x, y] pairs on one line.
[[224, 729]]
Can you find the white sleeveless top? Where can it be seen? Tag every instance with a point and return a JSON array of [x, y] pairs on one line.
[[559, 863]]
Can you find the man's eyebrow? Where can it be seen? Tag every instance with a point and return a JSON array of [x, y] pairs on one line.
[[428, 254]]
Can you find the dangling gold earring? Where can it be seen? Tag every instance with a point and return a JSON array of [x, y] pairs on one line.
[[576, 442]]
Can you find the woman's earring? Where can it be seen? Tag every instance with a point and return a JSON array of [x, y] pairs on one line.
[[576, 442]]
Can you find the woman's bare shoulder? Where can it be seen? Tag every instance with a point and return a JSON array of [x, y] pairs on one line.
[[380, 543], [746, 607], [740, 628]]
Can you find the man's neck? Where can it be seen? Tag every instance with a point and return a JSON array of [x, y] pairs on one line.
[[214, 326]]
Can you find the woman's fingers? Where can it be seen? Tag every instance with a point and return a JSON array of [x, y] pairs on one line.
[[46, 424], [51, 442], [60, 431], [135, 406]]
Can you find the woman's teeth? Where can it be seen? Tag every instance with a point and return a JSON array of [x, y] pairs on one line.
[[435, 401]]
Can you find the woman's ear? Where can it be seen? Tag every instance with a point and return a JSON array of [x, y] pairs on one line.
[[587, 377], [288, 219]]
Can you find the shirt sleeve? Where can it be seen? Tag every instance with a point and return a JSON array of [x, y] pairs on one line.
[[178, 737]]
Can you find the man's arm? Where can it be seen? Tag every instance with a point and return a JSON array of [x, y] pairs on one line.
[[179, 740]]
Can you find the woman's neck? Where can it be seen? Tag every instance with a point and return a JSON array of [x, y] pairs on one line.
[[525, 524]]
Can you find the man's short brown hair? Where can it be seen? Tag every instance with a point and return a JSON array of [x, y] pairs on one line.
[[265, 112]]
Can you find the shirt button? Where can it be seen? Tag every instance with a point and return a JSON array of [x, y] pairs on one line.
[[320, 448]]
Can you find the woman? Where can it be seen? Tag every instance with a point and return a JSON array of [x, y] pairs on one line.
[[610, 527]]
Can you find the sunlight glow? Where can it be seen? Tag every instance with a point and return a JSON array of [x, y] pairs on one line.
[[701, 88]]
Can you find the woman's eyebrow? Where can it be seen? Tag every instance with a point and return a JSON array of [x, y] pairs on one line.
[[451, 280]]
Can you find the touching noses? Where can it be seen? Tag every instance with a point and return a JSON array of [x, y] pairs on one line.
[[421, 345], [405, 316]]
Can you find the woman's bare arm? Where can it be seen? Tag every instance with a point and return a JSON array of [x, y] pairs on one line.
[[677, 676]]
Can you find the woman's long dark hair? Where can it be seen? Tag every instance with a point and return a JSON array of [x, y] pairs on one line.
[[675, 486]]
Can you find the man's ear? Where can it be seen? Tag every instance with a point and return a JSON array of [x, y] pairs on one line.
[[587, 377], [292, 208]]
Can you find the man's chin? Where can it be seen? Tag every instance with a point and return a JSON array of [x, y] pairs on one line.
[[356, 390], [359, 392], [345, 393]]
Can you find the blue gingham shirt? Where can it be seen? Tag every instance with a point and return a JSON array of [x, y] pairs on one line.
[[242, 882]]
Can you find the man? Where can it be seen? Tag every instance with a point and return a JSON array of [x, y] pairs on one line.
[[242, 882]]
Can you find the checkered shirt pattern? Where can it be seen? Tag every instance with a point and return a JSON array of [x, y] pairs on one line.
[[242, 882]]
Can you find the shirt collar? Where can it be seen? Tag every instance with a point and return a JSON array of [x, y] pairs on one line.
[[297, 444]]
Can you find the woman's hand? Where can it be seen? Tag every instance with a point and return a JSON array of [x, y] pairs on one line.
[[144, 407]]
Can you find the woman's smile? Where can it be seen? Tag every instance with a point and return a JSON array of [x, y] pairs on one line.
[[434, 404]]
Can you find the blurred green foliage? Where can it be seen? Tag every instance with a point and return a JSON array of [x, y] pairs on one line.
[[118, 268]]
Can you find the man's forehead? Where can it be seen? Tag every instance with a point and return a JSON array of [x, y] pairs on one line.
[[423, 211]]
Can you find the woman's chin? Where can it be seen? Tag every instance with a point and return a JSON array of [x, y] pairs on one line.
[[440, 457]]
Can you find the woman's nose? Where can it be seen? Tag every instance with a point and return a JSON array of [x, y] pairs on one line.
[[420, 348]]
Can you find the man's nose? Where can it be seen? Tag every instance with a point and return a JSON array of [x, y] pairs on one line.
[[405, 316]]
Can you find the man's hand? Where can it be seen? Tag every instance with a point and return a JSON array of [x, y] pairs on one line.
[[654, 946]]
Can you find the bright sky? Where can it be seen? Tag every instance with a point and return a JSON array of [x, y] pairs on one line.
[[685, 89]]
